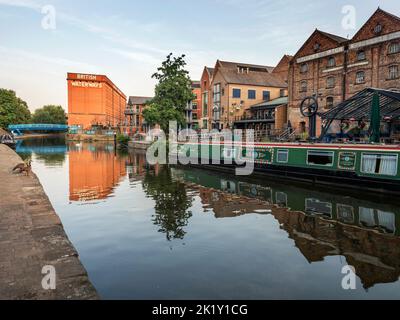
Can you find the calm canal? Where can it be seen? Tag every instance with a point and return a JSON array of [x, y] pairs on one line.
[[178, 233]]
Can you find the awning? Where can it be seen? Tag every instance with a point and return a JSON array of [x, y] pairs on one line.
[[358, 107]]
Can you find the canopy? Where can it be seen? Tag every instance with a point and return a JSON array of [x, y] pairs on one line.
[[359, 108]]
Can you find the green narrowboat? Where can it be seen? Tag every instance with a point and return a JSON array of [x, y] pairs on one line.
[[372, 167]]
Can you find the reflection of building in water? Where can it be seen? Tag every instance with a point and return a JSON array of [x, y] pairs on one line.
[[227, 205], [366, 234], [375, 256], [94, 170], [137, 166]]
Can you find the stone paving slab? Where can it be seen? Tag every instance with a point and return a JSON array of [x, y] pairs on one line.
[[31, 237]]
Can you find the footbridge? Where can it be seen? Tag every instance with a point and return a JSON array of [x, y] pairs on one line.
[[20, 129]]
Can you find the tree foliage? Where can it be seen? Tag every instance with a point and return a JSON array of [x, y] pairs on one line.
[[13, 110], [49, 114], [172, 93]]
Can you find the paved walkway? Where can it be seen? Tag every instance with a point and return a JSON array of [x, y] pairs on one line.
[[32, 236]]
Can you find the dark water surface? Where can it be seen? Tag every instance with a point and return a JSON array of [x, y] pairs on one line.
[[147, 232]]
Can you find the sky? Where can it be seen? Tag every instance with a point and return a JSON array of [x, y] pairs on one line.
[[42, 40]]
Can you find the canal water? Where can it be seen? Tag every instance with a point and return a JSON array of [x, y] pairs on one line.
[[153, 232]]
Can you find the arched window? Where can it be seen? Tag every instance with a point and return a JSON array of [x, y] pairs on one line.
[[303, 86], [394, 48], [393, 72], [361, 55], [331, 62], [330, 82], [360, 77], [304, 68], [329, 103]]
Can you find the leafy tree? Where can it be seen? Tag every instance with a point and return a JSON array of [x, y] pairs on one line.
[[13, 110], [50, 114], [172, 94]]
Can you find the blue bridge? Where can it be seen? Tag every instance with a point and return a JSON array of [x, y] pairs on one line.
[[19, 129]]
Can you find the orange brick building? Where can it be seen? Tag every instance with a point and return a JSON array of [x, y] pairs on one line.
[[94, 100]]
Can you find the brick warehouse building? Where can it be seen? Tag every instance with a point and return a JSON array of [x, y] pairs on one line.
[[94, 100], [235, 87], [335, 68]]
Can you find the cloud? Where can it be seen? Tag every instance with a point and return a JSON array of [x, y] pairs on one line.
[[29, 4]]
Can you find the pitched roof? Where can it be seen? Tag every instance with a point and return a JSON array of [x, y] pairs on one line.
[[138, 100], [339, 40], [235, 65], [334, 37], [379, 10], [272, 103], [255, 74], [210, 70]]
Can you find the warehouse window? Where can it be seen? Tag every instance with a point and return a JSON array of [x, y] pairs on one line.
[[360, 77], [384, 164], [303, 86], [320, 158], [304, 68], [330, 82], [394, 47], [361, 55], [329, 102], [331, 62], [393, 72]]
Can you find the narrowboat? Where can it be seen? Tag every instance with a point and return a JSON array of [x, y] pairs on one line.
[[371, 167]]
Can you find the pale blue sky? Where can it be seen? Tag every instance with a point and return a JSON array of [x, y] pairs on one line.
[[127, 39]]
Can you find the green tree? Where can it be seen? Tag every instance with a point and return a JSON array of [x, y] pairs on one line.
[[13, 110], [50, 114], [172, 94]]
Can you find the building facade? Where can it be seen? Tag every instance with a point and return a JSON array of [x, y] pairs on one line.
[[235, 87], [134, 120], [94, 100], [196, 106], [206, 97], [333, 68]]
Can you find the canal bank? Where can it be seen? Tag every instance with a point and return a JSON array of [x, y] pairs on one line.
[[32, 237]]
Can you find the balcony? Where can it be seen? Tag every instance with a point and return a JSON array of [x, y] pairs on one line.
[[266, 118], [131, 112]]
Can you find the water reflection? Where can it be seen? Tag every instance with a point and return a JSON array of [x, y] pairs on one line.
[[50, 150], [94, 171], [182, 203], [365, 233], [172, 202]]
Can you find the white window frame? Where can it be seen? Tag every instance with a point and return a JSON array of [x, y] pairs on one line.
[[379, 154], [321, 165], [287, 155]]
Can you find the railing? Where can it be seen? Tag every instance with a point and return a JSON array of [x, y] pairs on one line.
[[131, 112], [245, 118]]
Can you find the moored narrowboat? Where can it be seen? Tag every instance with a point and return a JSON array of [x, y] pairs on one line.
[[371, 167]]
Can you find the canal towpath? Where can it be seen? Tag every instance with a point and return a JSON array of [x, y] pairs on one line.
[[33, 244]]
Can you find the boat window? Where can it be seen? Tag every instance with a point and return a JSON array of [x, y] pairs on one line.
[[283, 156], [321, 158], [384, 164]]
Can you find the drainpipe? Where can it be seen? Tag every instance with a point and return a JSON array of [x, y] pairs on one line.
[[346, 57]]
